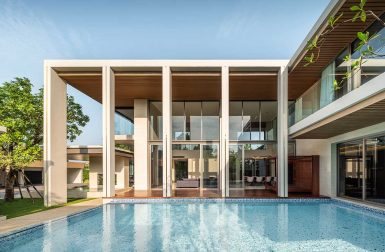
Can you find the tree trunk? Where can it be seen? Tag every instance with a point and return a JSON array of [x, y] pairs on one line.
[[9, 184]]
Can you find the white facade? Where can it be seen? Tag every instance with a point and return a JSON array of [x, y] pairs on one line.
[[55, 131]]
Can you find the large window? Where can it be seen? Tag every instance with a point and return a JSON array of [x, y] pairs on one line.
[[195, 120], [123, 122], [361, 169], [373, 65], [253, 120], [156, 122]]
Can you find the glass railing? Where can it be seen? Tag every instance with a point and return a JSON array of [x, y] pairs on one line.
[[123, 126], [344, 72], [315, 98]]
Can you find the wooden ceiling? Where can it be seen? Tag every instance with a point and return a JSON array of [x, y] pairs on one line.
[[364, 117], [205, 86], [301, 77]]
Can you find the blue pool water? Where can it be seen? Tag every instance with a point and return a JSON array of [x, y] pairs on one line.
[[324, 225]]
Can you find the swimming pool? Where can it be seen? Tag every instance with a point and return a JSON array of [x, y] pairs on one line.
[[209, 225]]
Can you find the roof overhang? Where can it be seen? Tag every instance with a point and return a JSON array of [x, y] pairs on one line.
[[191, 79]]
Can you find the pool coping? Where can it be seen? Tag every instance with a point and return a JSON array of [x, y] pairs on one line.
[[29, 228], [339, 201]]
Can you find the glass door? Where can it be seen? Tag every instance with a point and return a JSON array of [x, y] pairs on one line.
[[350, 169], [210, 166], [236, 166], [374, 189], [156, 166]]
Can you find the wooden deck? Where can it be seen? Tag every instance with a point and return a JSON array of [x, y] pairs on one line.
[[196, 193]]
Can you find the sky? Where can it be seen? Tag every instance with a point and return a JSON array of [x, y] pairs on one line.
[[34, 30]]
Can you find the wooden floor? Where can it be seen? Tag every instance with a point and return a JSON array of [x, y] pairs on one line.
[[196, 193]]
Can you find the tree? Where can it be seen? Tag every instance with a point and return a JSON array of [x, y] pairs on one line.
[[366, 47], [21, 112]]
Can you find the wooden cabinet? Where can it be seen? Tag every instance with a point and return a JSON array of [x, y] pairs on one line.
[[303, 174]]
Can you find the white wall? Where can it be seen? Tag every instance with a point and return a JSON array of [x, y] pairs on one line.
[[74, 176], [96, 167], [121, 171], [326, 149]]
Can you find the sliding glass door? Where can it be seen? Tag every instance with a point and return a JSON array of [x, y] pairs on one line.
[[350, 169], [156, 166], [195, 166], [375, 170], [361, 169]]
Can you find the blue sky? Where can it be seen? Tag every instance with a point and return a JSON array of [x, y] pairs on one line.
[[31, 31]]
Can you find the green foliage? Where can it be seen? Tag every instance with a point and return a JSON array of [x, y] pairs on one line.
[[21, 112], [359, 11], [333, 20], [364, 47], [309, 59], [86, 173]]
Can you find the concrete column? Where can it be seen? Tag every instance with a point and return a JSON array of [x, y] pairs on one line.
[[282, 134], [224, 138], [167, 130], [108, 132], [141, 164], [55, 138]]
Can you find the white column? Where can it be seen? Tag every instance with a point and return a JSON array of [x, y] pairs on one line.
[[224, 140], [55, 138], [282, 134], [141, 164], [167, 130], [108, 132]]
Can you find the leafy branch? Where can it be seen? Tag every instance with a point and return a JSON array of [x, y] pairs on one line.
[[366, 51]]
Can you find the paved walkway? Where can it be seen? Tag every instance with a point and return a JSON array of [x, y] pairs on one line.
[[40, 217]]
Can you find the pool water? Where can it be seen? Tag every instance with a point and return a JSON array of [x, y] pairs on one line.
[[324, 225]]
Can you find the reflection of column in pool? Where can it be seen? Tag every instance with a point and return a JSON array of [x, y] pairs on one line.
[[108, 226], [142, 226], [327, 221], [283, 221], [166, 226], [62, 234]]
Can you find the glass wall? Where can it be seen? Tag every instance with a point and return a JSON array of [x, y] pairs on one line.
[[186, 166], [156, 166], [123, 126], [156, 120], [195, 166], [350, 169], [195, 120], [323, 91], [210, 169], [361, 169], [253, 120], [251, 166], [375, 170]]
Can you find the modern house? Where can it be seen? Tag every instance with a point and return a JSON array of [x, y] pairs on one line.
[[233, 128]]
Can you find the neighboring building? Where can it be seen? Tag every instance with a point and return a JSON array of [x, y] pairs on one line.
[[233, 128], [80, 158]]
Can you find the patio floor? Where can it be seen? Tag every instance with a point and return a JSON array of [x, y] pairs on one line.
[[207, 193]]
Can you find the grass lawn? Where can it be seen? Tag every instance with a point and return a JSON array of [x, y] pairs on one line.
[[20, 207]]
